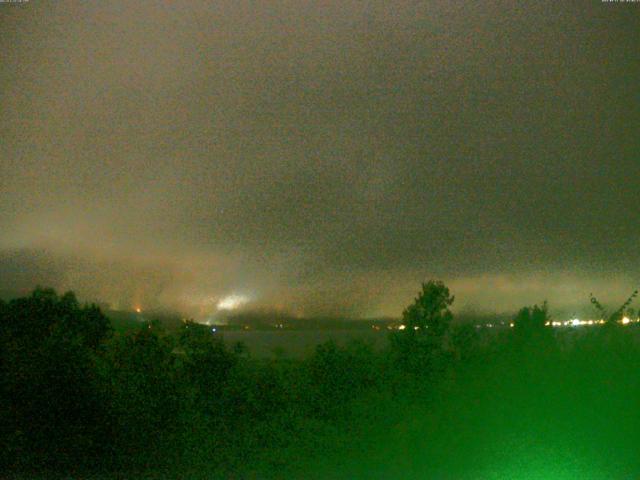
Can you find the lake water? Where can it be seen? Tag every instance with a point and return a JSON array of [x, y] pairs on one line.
[[299, 343]]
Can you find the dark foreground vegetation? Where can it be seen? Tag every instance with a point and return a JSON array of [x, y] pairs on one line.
[[441, 401]]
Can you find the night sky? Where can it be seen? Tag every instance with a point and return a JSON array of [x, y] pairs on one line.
[[320, 157]]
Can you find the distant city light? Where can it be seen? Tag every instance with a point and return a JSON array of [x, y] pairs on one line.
[[232, 302], [575, 322], [138, 310]]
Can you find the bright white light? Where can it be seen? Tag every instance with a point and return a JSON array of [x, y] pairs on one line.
[[138, 310], [575, 322], [232, 302], [625, 320], [401, 327]]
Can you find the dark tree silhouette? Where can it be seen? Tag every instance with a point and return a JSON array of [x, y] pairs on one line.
[[420, 346], [48, 347], [142, 395], [32, 319], [429, 314], [464, 340], [533, 319], [207, 361]]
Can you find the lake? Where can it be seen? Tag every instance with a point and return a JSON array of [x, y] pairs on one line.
[[299, 343]]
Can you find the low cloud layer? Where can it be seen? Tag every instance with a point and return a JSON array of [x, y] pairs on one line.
[[320, 157]]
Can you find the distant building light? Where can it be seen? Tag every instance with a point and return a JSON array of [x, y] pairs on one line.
[[402, 327], [626, 320]]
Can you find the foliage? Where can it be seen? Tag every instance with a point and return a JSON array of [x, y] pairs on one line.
[[32, 319], [80, 402], [429, 314], [139, 387], [337, 375], [48, 349], [464, 341], [531, 321], [420, 346]]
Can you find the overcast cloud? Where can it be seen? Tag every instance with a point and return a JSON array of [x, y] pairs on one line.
[[320, 157]]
